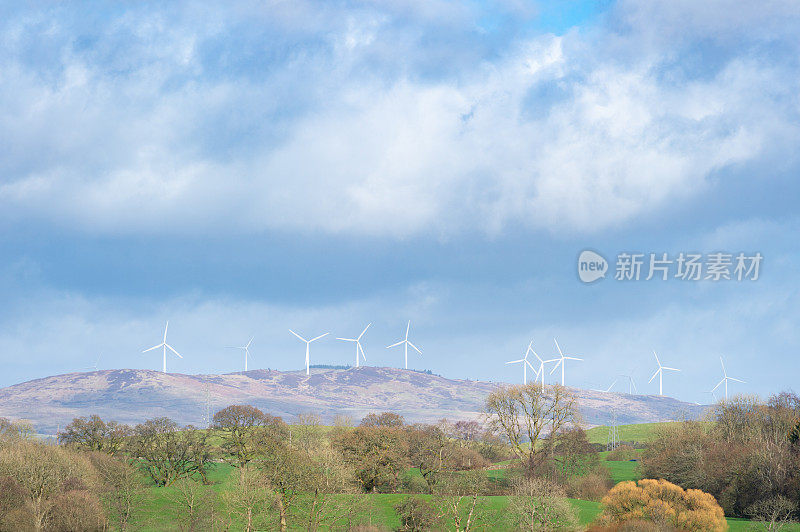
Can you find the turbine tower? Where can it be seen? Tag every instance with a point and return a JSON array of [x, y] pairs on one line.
[[660, 373], [96, 362], [406, 342], [359, 349], [725, 380], [526, 364], [245, 348], [561, 361], [308, 345], [165, 346]]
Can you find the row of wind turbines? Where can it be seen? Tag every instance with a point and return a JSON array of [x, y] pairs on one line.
[[561, 362], [405, 342]]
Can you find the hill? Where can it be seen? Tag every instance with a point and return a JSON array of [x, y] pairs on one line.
[[133, 395]]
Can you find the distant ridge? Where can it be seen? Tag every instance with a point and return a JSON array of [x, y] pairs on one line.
[[133, 395]]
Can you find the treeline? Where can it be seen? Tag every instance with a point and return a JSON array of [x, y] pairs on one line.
[[748, 457], [298, 476]]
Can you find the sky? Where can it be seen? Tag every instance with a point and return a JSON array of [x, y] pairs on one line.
[[245, 168]]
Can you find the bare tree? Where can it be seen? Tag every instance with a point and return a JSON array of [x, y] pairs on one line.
[[524, 414], [121, 487], [94, 434], [243, 428], [169, 453], [250, 498]]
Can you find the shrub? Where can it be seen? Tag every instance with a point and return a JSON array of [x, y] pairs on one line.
[[415, 514], [662, 503], [538, 504], [593, 486], [622, 453], [77, 510]]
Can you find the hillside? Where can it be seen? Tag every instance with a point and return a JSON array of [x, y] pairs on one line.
[[133, 395]]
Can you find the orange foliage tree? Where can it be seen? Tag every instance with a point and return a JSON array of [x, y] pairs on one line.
[[664, 503]]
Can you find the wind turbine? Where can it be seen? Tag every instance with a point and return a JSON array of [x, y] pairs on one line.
[[308, 345], [96, 362], [245, 348], [406, 342], [631, 384], [561, 361], [526, 364], [725, 379], [357, 341], [166, 346], [607, 390], [660, 373]]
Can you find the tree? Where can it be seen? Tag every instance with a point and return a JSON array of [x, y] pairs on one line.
[[377, 454], [386, 419], [94, 434], [13, 431], [457, 498], [415, 514], [427, 449], [663, 503], [305, 433], [524, 413], [194, 505], [169, 453], [41, 475], [243, 428], [249, 498], [121, 487], [538, 504], [467, 430], [286, 471]]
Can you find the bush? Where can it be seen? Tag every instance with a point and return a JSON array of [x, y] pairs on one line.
[[593, 486], [622, 453], [662, 503], [77, 510], [415, 515], [538, 504]]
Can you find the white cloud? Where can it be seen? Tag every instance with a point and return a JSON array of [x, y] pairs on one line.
[[343, 133]]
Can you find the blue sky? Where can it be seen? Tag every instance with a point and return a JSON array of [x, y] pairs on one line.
[[244, 169]]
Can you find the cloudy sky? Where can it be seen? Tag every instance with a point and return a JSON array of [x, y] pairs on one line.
[[243, 169]]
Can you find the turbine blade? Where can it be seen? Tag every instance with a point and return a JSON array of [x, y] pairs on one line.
[[250, 342], [300, 337], [671, 369], [654, 375], [415, 347], [318, 337], [556, 366], [171, 349], [361, 349], [408, 328], [531, 366], [558, 347], [165, 331], [348, 339], [154, 347], [395, 344], [574, 358], [737, 380], [717, 386], [516, 361], [657, 360], [365, 330], [723, 367]]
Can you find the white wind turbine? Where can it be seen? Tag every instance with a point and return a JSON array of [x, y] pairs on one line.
[[660, 373], [245, 348], [526, 364], [165, 346], [725, 380], [561, 361], [359, 349], [631, 384], [96, 362], [406, 342], [607, 390], [308, 346]]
